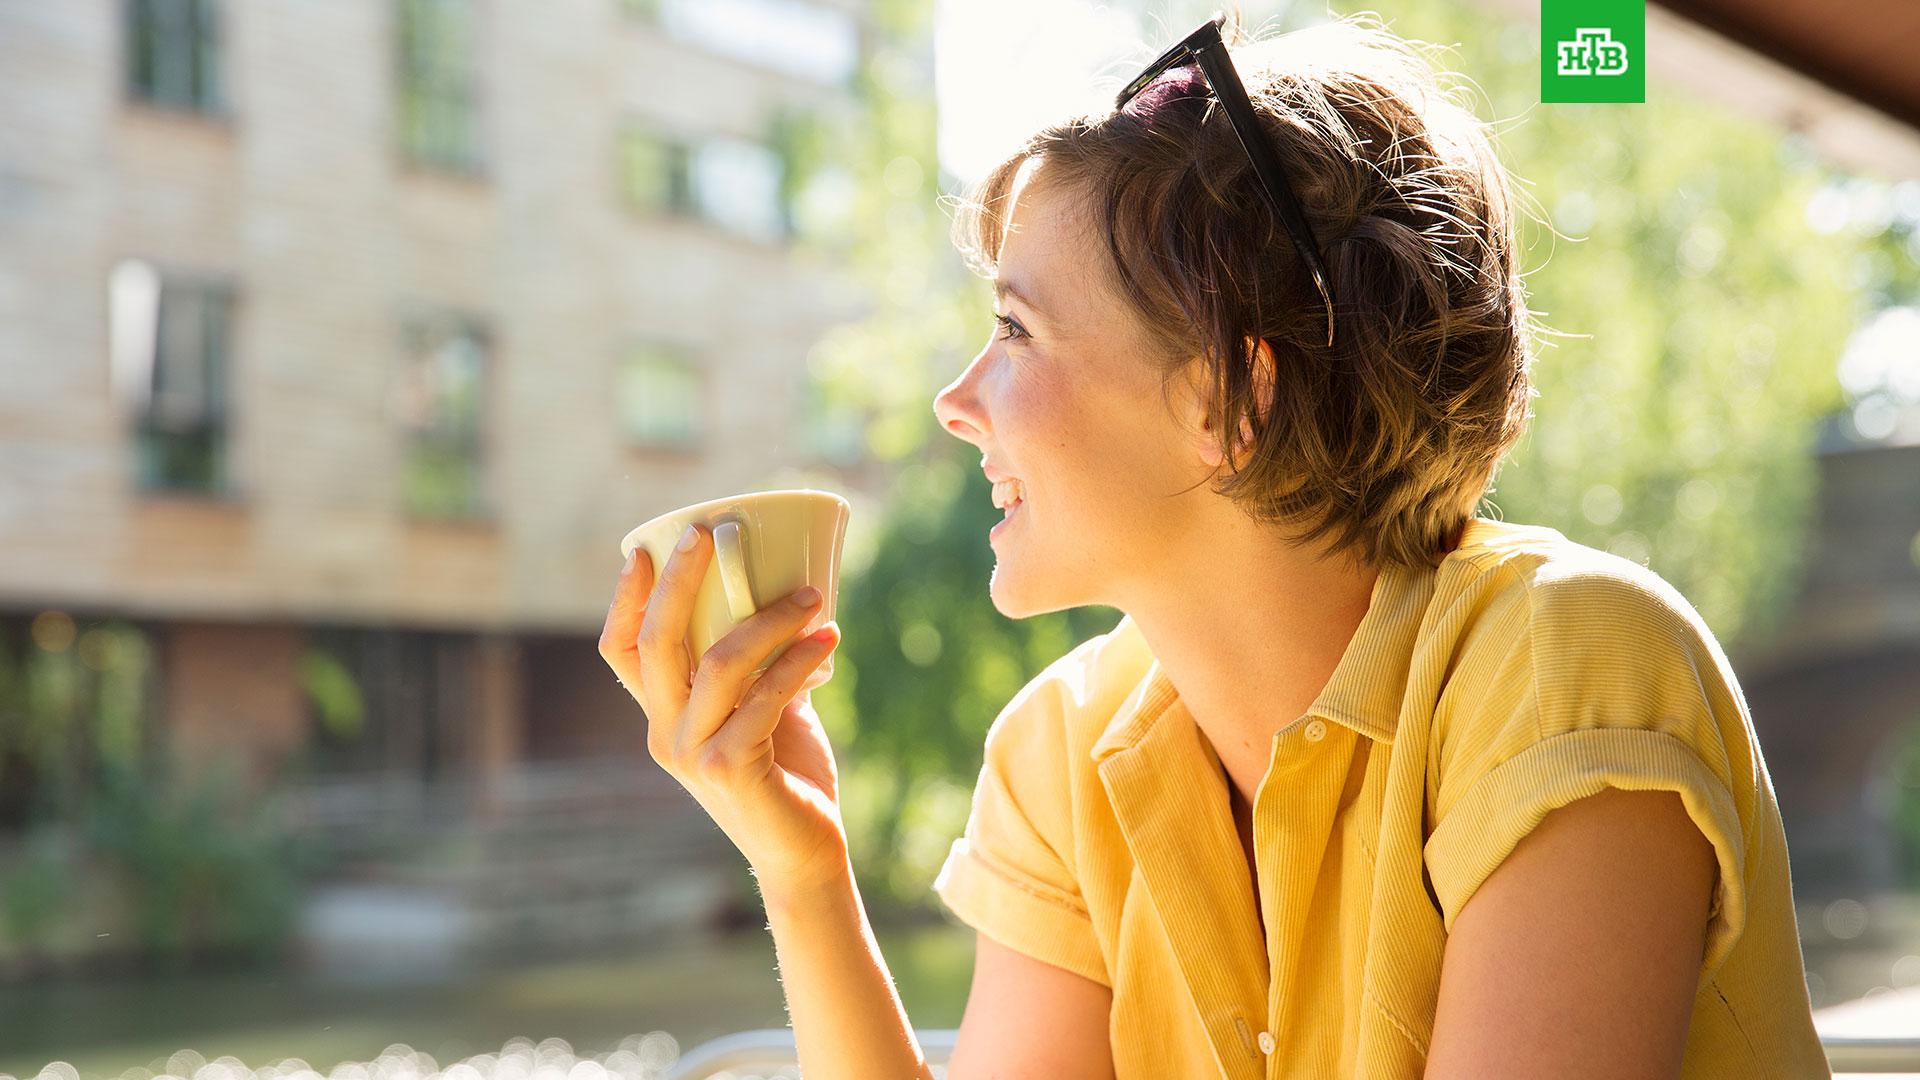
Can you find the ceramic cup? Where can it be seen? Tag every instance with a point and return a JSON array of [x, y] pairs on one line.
[[766, 545]]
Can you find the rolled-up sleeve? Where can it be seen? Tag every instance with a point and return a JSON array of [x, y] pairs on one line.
[[1010, 875], [1617, 686]]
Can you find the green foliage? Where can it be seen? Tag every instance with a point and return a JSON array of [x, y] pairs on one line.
[[889, 233], [1695, 323], [441, 480], [1906, 774], [37, 888], [198, 869], [70, 705], [207, 869], [334, 693]]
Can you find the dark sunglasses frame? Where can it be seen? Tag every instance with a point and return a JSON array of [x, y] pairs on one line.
[[1205, 47]]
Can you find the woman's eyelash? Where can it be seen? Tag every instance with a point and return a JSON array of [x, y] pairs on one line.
[[1011, 328]]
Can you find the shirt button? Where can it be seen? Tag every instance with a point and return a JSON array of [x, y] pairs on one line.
[[1316, 730], [1266, 1042]]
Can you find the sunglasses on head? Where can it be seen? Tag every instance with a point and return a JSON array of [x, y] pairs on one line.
[[1205, 48]]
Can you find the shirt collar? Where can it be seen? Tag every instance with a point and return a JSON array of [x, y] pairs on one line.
[[1364, 692]]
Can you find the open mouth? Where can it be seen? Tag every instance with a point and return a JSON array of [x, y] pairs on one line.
[[1009, 495]]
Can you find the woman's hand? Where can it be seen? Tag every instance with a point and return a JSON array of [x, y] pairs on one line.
[[749, 750]]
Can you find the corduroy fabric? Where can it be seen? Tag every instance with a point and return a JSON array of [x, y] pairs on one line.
[[1524, 672]]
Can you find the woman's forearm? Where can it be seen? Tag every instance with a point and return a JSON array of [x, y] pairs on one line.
[[848, 1022]]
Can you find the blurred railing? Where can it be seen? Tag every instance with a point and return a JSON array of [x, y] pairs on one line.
[[368, 814], [770, 1052], [1868, 1057], [574, 853], [372, 802]]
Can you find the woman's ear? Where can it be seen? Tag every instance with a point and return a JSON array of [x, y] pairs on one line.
[[1207, 445]]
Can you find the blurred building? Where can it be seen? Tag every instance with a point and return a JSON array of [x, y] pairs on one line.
[[1835, 691], [341, 343]]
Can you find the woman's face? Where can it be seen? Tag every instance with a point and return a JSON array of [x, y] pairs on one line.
[[1066, 396]]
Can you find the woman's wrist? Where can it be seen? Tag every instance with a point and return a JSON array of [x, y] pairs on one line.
[[827, 880]]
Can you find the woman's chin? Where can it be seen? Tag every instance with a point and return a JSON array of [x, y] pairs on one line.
[[1003, 589]]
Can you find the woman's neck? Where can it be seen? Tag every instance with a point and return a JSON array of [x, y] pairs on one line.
[[1250, 648]]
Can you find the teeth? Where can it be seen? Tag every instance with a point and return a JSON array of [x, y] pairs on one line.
[[1008, 493]]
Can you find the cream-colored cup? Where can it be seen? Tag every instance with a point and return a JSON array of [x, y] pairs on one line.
[[766, 545]]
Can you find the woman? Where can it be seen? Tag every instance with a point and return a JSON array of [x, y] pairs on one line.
[[1498, 803]]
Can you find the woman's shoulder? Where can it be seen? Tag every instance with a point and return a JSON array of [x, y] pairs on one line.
[[1538, 587], [1568, 596], [1560, 637]]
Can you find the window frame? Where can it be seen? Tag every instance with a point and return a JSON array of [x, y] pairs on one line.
[[429, 77], [677, 154], [192, 34], [660, 17], [422, 332], [683, 200], [212, 292], [686, 358]]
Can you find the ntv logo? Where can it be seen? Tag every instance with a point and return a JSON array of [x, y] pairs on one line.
[[1583, 38], [1592, 52]]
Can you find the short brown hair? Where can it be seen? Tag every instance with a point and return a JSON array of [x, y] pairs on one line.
[[1388, 440]]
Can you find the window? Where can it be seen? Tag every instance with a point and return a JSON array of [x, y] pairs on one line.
[[737, 185], [441, 405], [659, 397], [654, 173], [169, 340], [797, 37], [173, 53], [438, 127], [388, 702]]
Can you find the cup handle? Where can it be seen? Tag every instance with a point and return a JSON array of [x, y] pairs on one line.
[[730, 548]]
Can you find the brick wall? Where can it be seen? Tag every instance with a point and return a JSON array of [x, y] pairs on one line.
[[233, 690]]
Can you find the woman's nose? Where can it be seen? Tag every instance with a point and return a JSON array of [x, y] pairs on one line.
[[951, 408], [957, 409]]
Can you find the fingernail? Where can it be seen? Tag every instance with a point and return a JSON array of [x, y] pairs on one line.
[[689, 538], [806, 596]]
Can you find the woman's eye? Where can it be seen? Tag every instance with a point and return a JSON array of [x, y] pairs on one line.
[[1009, 328]]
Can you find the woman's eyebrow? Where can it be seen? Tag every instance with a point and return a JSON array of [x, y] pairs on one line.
[[1003, 287]]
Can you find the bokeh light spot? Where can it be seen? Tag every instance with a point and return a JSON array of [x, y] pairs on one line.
[[903, 176], [1632, 546], [1845, 918], [1697, 499], [53, 631], [920, 643], [1602, 504]]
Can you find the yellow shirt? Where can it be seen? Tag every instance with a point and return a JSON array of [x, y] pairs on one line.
[[1524, 672]]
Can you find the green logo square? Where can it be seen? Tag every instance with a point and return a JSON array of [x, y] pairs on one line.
[[1593, 50]]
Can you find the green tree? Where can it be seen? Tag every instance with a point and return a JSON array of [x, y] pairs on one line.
[[1696, 317]]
